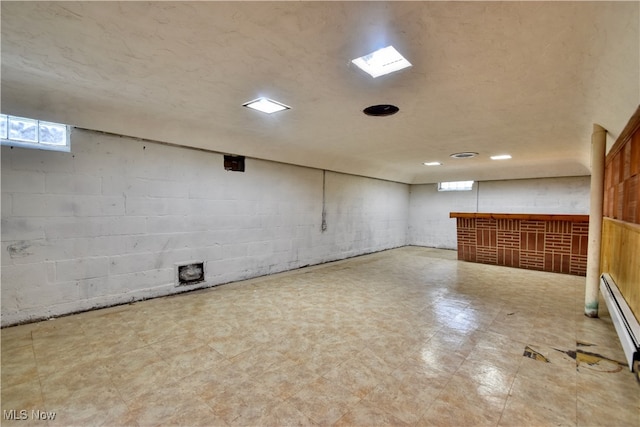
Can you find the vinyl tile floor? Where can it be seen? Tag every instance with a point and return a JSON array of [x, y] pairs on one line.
[[408, 336]]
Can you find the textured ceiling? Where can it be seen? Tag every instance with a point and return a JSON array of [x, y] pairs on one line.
[[524, 78]]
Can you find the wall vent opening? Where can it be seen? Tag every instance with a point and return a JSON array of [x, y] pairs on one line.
[[189, 273], [234, 163]]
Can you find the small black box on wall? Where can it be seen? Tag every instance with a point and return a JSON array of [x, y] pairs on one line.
[[234, 163]]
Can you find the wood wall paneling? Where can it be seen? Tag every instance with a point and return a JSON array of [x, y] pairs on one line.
[[620, 249], [531, 241], [621, 259]]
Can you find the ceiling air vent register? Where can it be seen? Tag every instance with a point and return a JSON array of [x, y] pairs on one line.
[[381, 110], [464, 155]]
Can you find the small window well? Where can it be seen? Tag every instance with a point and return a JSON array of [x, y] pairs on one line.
[[382, 61], [31, 133], [455, 186], [266, 105]]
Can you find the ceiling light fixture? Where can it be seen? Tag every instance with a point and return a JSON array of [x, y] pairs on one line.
[[382, 61], [464, 155], [501, 157], [266, 105], [432, 163]]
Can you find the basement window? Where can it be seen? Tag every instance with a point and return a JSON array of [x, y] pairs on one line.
[[31, 133], [455, 186]]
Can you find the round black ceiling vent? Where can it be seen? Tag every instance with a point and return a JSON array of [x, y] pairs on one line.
[[464, 155], [381, 110]]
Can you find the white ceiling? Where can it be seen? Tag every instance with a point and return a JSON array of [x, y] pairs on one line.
[[524, 78]]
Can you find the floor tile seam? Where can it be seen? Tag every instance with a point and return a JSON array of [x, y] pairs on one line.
[[263, 369], [206, 404], [311, 417], [3, 356], [40, 371], [101, 361], [201, 344], [523, 343], [432, 402], [41, 389], [10, 385], [81, 343], [276, 402], [109, 369], [386, 368], [513, 380], [424, 409], [4, 347], [111, 384]]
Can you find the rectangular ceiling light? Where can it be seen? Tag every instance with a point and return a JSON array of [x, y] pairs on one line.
[[382, 61], [266, 105], [501, 157], [432, 163]]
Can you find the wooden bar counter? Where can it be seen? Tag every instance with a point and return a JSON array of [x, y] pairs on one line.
[[548, 242]]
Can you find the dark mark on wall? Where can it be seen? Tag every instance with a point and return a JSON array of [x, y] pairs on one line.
[[19, 249], [532, 354]]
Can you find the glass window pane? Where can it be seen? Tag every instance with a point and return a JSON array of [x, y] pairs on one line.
[[3, 126], [21, 129], [455, 186], [53, 133]]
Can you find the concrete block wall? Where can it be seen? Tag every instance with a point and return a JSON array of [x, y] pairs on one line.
[[106, 223], [363, 215], [430, 225]]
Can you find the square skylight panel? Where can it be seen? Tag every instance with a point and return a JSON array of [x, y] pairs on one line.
[[382, 61], [266, 105]]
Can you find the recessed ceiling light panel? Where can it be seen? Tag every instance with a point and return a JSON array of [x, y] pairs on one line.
[[464, 155], [382, 61], [501, 157], [432, 163], [266, 105]]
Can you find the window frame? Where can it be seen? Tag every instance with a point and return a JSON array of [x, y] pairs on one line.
[[459, 187], [6, 140]]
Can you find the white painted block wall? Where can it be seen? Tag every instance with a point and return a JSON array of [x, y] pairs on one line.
[[106, 223], [430, 225]]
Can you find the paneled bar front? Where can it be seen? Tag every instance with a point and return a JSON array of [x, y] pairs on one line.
[[548, 242]]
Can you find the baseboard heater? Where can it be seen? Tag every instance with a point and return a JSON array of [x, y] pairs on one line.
[[624, 321]]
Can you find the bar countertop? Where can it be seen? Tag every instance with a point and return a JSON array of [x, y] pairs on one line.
[[522, 216]]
